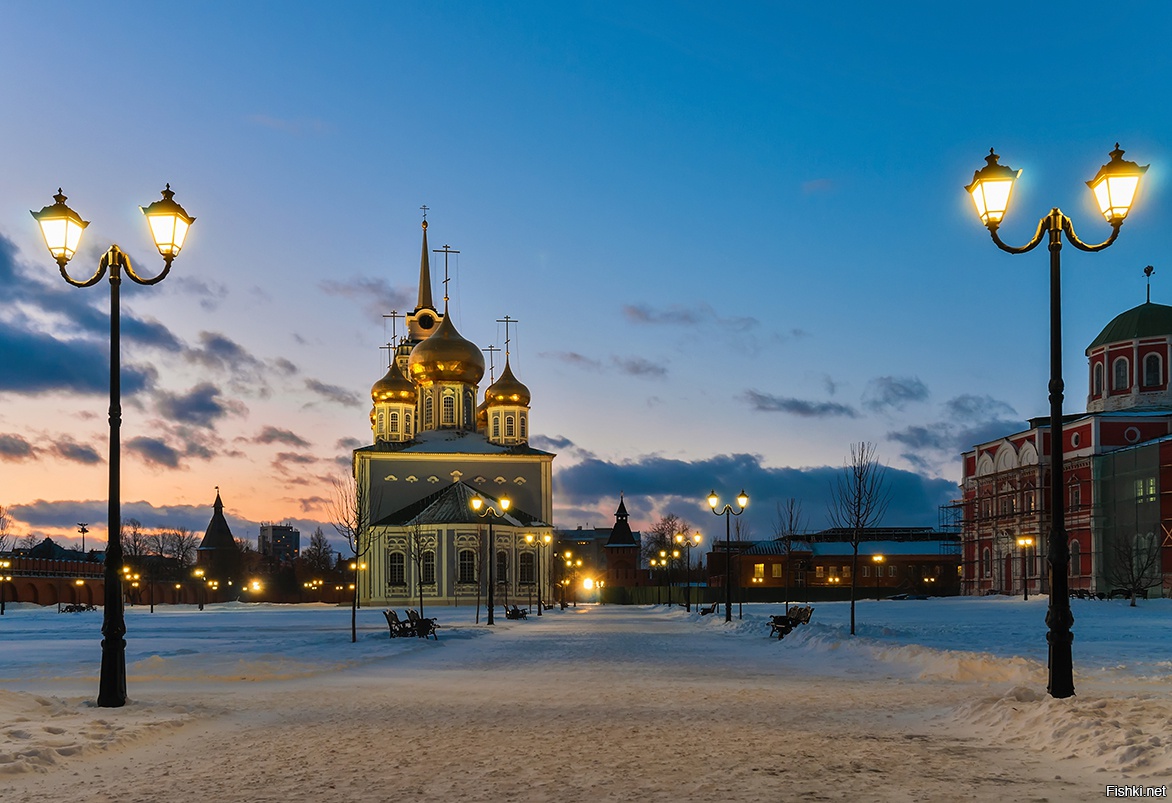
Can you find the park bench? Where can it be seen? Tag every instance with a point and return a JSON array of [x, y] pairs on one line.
[[781, 625], [397, 626], [77, 607], [422, 627], [515, 612], [710, 609]]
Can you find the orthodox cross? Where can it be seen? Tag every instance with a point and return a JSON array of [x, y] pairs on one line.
[[506, 321], [394, 341], [445, 251], [491, 367], [1148, 271], [424, 208]]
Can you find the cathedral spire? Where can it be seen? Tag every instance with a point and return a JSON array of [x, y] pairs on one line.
[[425, 301]]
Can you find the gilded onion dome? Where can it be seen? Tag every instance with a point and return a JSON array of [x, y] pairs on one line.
[[393, 387], [446, 357], [507, 390]]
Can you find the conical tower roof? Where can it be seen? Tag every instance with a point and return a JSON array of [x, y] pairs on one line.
[[219, 534], [621, 534], [425, 301]]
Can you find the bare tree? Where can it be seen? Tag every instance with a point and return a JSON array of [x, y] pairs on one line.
[[5, 529], [1135, 564], [350, 510], [417, 550], [319, 556], [27, 541], [180, 545], [859, 497], [135, 542], [789, 524]]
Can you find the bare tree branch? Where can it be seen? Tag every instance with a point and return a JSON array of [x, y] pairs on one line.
[[859, 497]]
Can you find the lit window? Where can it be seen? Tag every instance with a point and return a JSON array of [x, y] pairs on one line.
[[759, 571], [496, 426], [394, 419], [777, 570], [449, 410], [818, 571], [510, 426]]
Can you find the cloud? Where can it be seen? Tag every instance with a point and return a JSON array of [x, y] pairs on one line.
[[980, 408], [657, 484], [818, 186], [349, 444], [680, 315], [893, 393], [69, 449], [37, 363], [154, 451], [14, 449], [968, 420], [296, 458], [768, 403], [210, 294], [271, 434], [637, 366], [375, 296], [573, 358], [333, 393], [201, 406]]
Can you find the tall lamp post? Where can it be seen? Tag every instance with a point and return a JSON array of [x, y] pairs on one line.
[[687, 542], [1114, 188], [491, 513], [538, 543], [4, 580], [726, 511], [658, 586], [1024, 543], [878, 561], [62, 228]]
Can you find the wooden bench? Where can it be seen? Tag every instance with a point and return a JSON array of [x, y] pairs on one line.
[[781, 625], [515, 612], [397, 626], [710, 609], [422, 627]]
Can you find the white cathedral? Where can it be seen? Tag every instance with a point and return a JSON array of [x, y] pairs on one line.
[[435, 449]]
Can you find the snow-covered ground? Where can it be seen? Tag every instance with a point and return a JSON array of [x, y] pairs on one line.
[[938, 699]]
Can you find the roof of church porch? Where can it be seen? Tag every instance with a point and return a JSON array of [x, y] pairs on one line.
[[453, 505]]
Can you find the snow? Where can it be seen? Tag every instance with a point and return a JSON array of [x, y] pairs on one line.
[[940, 699]]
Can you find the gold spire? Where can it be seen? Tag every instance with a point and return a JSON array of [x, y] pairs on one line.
[[425, 301]]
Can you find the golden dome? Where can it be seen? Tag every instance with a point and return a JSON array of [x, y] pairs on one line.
[[446, 357], [393, 387], [507, 390]]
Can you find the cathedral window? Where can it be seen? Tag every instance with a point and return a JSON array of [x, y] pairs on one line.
[[407, 424], [449, 403], [496, 426], [524, 427], [469, 410], [502, 567], [466, 567], [1120, 378], [380, 424], [393, 418], [525, 567], [428, 569], [396, 569], [986, 563], [510, 426], [1097, 382], [1152, 370], [428, 411]]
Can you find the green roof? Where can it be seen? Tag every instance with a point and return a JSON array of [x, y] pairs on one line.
[[1146, 320]]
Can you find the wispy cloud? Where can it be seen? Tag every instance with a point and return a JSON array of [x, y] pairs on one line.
[[201, 406], [768, 403], [893, 392], [333, 393], [681, 315], [14, 448], [375, 296], [271, 434]]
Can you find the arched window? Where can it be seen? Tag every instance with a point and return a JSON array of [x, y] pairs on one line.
[[428, 573], [449, 403], [394, 420], [1120, 379], [469, 410], [380, 424], [510, 426], [1075, 560], [1097, 384], [496, 426], [524, 427], [396, 569], [525, 568], [407, 424], [466, 567], [502, 567], [1152, 370], [428, 411], [986, 563]]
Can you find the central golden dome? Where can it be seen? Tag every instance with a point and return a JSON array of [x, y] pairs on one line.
[[446, 357], [393, 387]]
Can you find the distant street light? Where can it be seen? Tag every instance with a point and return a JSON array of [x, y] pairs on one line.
[[1114, 187], [1024, 543], [687, 542], [4, 580], [878, 560], [742, 503], [491, 513], [538, 543], [62, 228]]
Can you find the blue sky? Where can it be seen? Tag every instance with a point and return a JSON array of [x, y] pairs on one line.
[[736, 238]]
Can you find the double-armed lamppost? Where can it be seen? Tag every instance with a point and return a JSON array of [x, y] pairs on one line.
[[1024, 543], [1114, 188], [687, 542], [62, 228], [491, 513], [726, 511], [538, 543], [653, 562]]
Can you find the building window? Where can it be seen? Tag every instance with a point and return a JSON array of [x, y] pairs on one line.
[[449, 403], [1031, 501], [1098, 380], [891, 571], [466, 567], [525, 568], [428, 573], [1075, 559], [496, 426], [818, 571], [407, 424], [396, 569], [1075, 496], [510, 426], [428, 411], [502, 567], [524, 427], [394, 419], [866, 571], [1120, 378], [1145, 490], [758, 571], [778, 570], [1152, 370], [380, 424], [846, 572], [469, 408]]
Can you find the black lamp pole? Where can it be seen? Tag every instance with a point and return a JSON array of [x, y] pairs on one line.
[[1115, 202], [490, 513], [742, 502]]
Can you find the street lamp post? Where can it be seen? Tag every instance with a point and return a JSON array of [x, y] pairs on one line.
[[4, 580], [62, 229], [1114, 188], [490, 513], [726, 511], [687, 543], [200, 591], [1024, 543], [878, 561], [652, 562], [538, 543]]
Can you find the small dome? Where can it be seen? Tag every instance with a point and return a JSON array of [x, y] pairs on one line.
[[446, 357], [393, 387], [1146, 320], [507, 390]]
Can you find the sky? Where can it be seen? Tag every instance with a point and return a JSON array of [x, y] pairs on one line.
[[736, 240]]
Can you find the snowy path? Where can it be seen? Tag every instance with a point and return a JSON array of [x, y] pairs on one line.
[[597, 703]]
